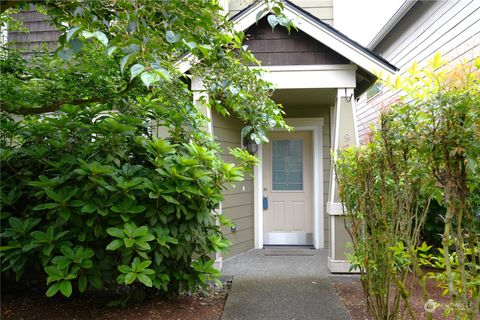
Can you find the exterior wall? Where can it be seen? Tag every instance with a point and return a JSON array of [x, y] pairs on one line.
[[238, 202], [451, 27], [322, 9], [41, 32], [311, 111], [342, 238], [280, 47]]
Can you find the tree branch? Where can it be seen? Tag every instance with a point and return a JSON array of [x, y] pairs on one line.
[[55, 106]]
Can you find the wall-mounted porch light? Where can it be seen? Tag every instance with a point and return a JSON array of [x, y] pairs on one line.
[[249, 144], [348, 98]]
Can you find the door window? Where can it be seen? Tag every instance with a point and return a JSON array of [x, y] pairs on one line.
[[287, 165]]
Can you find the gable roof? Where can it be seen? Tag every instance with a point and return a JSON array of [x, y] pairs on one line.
[[322, 32], [369, 63]]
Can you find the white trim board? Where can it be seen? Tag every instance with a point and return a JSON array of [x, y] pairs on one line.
[[302, 124], [311, 76], [339, 266]]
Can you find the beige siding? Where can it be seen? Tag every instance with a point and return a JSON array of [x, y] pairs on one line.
[[238, 202], [318, 112], [322, 9], [450, 27], [342, 239]]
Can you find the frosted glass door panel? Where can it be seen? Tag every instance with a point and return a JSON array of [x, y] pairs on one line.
[[287, 165]]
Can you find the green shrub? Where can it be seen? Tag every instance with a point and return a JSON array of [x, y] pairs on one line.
[[90, 199]]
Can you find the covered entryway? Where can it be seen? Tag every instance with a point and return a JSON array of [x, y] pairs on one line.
[[288, 189], [317, 73]]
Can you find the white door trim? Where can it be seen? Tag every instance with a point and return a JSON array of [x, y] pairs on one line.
[[301, 124]]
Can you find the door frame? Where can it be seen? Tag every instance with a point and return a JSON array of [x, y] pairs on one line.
[[301, 124]]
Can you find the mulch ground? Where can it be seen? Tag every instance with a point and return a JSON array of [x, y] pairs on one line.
[[351, 292], [34, 305]]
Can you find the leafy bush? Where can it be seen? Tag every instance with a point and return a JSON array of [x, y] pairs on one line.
[[89, 199], [426, 147]]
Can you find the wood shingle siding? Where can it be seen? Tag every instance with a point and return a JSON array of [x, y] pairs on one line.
[[278, 47], [450, 27], [41, 33]]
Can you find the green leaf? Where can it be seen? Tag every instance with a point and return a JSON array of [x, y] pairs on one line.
[[135, 70], [141, 231], [52, 290], [71, 32], [169, 199], [76, 45], [111, 50], [143, 278], [125, 61], [100, 36], [46, 206], [172, 37], [82, 283], [115, 244], [116, 232], [128, 242], [124, 268], [67, 252], [272, 20], [66, 288], [130, 277], [144, 264], [136, 209], [89, 207], [162, 72], [148, 78]]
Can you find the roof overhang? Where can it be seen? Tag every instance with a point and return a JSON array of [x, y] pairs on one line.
[[364, 58], [392, 22]]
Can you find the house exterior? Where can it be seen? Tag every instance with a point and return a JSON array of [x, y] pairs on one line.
[[318, 72], [416, 32]]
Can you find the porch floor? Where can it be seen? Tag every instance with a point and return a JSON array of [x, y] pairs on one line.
[[282, 287]]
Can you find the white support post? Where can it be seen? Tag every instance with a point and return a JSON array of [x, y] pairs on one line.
[[199, 95], [345, 134]]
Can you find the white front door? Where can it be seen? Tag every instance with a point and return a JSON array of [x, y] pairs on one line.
[[288, 188]]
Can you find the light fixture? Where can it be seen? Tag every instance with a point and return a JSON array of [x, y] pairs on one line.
[[348, 98], [249, 144]]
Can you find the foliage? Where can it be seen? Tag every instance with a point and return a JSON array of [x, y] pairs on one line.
[[89, 196], [427, 146], [434, 225], [386, 191]]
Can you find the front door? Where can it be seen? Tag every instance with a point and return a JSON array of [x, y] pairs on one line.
[[288, 188]]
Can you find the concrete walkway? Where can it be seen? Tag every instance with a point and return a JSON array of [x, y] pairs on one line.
[[281, 287]]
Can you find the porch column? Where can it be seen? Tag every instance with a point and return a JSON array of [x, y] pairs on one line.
[[345, 134], [200, 97]]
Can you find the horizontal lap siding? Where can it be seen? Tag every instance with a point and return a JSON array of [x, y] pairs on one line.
[[450, 27], [322, 9], [238, 199]]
